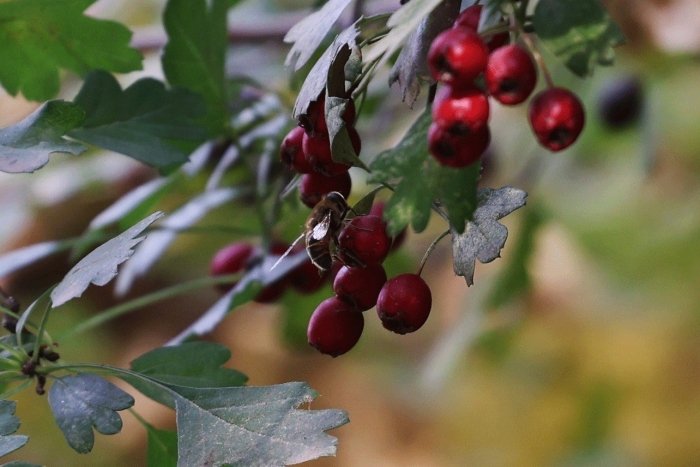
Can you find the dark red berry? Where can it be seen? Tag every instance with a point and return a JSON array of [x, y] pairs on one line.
[[231, 259], [557, 118], [314, 186], [457, 56], [510, 75], [364, 241], [469, 19], [404, 303], [271, 292], [315, 119], [307, 278], [317, 149], [460, 110], [620, 102], [360, 286], [292, 153], [378, 210], [334, 327], [455, 150]]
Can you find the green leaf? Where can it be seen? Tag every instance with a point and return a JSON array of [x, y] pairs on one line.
[[455, 190], [411, 67], [308, 33], [80, 402], [191, 364], [9, 423], [195, 53], [40, 37], [514, 279], [402, 23], [317, 78], [484, 237], [253, 426], [144, 121], [580, 32], [25, 146], [100, 266], [162, 447]]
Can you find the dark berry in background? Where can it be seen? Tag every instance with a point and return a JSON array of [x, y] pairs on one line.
[[620, 102]]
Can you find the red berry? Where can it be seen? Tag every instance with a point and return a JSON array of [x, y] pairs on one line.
[[271, 292], [314, 122], [334, 327], [364, 241], [292, 153], [314, 185], [404, 303], [457, 150], [230, 259], [318, 153], [457, 56], [307, 278], [469, 19], [360, 286], [557, 118], [510, 75], [461, 110], [378, 210]]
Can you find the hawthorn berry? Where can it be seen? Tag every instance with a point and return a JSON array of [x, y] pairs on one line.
[[292, 152], [334, 327], [378, 210], [360, 286], [457, 56], [364, 241], [314, 186], [317, 149], [307, 278], [454, 150], [510, 74], [404, 303], [469, 19], [557, 118], [620, 102], [315, 120], [460, 110], [231, 259]]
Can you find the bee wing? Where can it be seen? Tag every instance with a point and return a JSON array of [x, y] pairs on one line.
[[320, 230], [286, 253]]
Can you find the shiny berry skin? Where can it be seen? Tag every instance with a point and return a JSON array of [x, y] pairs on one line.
[[454, 150], [314, 185], [292, 153], [404, 303], [271, 292], [620, 102], [360, 286], [510, 75], [334, 327], [469, 19], [457, 56], [378, 210], [364, 241], [557, 117], [460, 110], [231, 259]]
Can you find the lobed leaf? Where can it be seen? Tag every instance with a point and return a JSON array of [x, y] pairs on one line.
[[145, 121], [82, 402], [26, 146], [9, 423], [583, 34], [100, 266], [308, 33], [484, 237], [194, 56], [41, 37]]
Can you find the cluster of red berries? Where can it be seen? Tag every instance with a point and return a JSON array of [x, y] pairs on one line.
[[307, 150], [403, 302], [457, 58]]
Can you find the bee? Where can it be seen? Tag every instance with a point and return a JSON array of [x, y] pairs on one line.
[[321, 230]]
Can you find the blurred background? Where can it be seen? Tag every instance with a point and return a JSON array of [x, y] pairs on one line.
[[596, 362]]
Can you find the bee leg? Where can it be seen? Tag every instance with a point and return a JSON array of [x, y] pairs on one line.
[[350, 260]]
